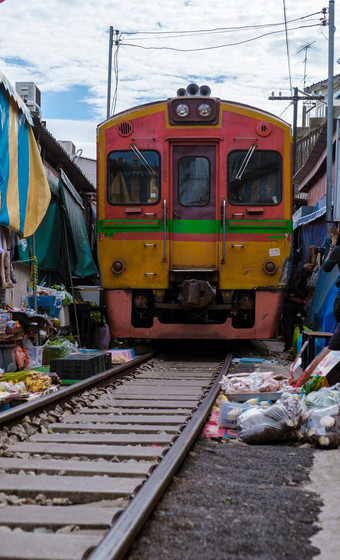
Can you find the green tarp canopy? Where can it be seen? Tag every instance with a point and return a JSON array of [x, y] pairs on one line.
[[61, 240]]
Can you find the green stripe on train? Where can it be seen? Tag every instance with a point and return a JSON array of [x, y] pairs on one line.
[[203, 227], [259, 226]]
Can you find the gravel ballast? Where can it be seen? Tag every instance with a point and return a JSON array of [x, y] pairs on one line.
[[235, 501]]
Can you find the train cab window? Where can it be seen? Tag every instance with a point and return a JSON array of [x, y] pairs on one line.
[[193, 181], [254, 177], [133, 177]]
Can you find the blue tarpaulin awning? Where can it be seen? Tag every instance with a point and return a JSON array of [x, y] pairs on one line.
[[318, 211], [24, 190], [313, 231]]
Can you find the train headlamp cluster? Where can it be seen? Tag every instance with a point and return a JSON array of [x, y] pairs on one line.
[[203, 110], [193, 106]]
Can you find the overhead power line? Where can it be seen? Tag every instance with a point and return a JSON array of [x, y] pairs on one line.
[[219, 46], [287, 47], [174, 34]]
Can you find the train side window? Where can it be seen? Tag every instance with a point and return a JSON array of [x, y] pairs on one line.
[[133, 180], [259, 182], [194, 181]]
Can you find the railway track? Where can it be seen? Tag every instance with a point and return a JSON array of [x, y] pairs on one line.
[[79, 480]]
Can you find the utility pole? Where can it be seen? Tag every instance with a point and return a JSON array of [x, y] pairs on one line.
[[109, 73], [295, 99], [329, 160], [108, 109]]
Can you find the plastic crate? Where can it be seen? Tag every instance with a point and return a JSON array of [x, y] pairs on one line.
[[104, 357], [229, 413], [55, 313], [45, 304], [81, 366]]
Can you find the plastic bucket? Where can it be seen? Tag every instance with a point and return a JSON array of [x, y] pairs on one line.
[[102, 337]]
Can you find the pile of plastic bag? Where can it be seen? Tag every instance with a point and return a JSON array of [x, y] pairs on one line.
[[321, 421], [275, 423], [314, 419], [255, 382]]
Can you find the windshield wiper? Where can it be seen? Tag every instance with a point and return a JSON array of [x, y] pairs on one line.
[[143, 160], [245, 162]]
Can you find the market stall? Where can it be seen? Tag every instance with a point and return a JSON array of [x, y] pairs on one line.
[[265, 403]]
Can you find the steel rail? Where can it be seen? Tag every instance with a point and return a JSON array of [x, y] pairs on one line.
[[64, 393], [120, 537]]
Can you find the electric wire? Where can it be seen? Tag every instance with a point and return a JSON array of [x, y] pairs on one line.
[[287, 47], [218, 46], [285, 109], [188, 33], [176, 34]]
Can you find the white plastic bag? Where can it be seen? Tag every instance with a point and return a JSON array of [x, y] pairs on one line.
[[321, 427], [278, 422]]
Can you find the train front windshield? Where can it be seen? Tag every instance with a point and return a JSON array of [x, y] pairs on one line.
[[133, 177], [257, 180]]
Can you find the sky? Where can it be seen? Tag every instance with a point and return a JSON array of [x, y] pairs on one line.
[[243, 50]]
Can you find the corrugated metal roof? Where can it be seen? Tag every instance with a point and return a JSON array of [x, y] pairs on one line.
[[319, 85], [314, 157], [56, 154]]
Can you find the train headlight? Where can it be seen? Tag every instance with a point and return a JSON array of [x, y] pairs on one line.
[[270, 267], [182, 110], [204, 110], [118, 266]]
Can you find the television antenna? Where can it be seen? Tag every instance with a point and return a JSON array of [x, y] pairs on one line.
[[305, 47]]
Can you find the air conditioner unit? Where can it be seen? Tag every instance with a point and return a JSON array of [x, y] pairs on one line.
[[28, 91]]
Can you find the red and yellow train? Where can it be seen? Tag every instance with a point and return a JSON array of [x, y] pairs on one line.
[[194, 218]]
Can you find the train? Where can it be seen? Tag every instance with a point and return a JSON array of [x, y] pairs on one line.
[[194, 218]]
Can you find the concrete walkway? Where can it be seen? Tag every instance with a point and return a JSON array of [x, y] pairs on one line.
[[325, 481]]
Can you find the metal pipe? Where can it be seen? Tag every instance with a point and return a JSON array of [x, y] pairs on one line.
[[329, 161]]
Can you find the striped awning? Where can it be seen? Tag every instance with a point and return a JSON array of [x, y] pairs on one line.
[[24, 191]]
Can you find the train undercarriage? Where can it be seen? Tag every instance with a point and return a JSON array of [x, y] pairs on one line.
[[193, 301]]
